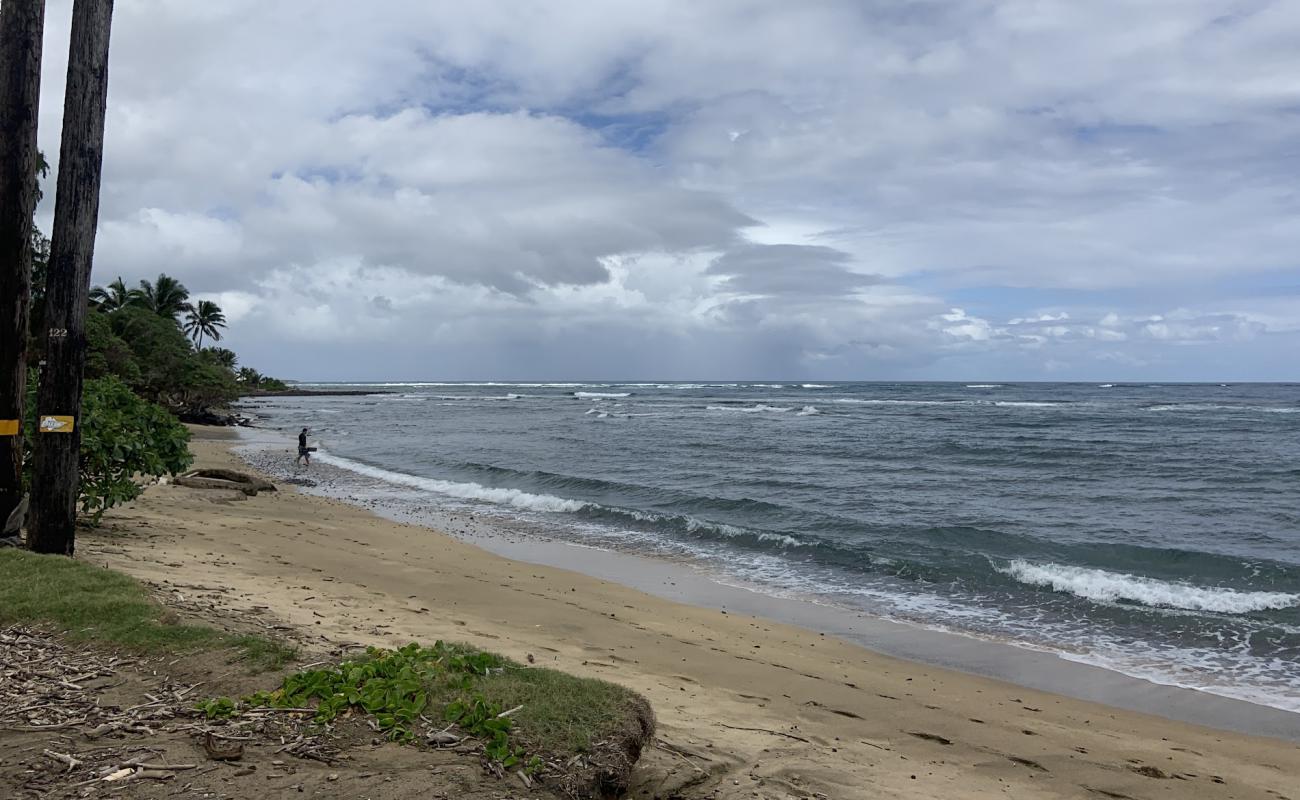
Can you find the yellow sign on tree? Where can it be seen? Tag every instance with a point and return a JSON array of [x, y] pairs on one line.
[[51, 423]]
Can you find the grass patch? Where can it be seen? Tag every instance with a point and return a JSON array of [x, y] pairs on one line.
[[93, 604], [559, 711], [523, 714]]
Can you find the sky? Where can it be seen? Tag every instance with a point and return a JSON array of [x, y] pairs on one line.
[[725, 190]]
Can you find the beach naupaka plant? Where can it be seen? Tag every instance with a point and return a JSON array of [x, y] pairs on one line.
[[398, 689], [123, 437]]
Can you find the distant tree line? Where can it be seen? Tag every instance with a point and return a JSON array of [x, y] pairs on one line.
[[151, 338]]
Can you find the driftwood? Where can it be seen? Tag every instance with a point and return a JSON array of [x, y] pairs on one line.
[[224, 479]]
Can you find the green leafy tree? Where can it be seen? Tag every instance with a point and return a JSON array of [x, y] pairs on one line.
[[166, 297], [204, 385], [204, 319], [123, 437], [221, 356], [161, 352], [115, 297], [107, 354], [249, 377]]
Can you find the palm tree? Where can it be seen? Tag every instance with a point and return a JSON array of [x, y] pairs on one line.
[[223, 357], [115, 297], [249, 377], [167, 297], [204, 319]]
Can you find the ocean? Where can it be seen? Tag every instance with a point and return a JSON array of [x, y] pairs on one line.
[[1149, 529]]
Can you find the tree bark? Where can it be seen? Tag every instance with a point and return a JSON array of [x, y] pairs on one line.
[[56, 481], [22, 25]]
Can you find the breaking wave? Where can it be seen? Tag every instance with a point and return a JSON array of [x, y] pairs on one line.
[[1102, 586], [1220, 407], [751, 409], [463, 491]]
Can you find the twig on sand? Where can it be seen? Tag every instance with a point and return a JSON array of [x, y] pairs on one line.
[[64, 758], [181, 694], [174, 767], [667, 748], [38, 728], [766, 730]]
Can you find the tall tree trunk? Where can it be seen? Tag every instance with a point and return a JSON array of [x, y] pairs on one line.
[[76, 214], [21, 27]]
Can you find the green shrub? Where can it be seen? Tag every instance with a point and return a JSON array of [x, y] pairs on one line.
[[122, 436]]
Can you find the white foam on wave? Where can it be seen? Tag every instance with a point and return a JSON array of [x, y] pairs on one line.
[[598, 395], [878, 402], [758, 409], [471, 398], [816, 386], [983, 386], [694, 525], [1221, 407], [463, 491], [1106, 386], [986, 403], [808, 411], [1109, 587]]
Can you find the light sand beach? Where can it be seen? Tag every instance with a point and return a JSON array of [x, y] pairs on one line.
[[747, 707]]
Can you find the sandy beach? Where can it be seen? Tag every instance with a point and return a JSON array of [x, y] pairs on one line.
[[747, 707]]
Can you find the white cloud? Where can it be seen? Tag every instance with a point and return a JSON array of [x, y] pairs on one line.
[[835, 188]]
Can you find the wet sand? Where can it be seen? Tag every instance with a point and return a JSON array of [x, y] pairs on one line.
[[748, 707]]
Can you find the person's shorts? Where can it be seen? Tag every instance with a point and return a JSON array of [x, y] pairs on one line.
[[302, 451]]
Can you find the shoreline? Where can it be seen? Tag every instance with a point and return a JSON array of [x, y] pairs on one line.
[[748, 707], [681, 581]]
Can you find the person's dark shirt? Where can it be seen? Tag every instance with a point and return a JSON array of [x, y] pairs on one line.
[[302, 440]]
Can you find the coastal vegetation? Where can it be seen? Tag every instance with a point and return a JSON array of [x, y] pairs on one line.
[[579, 735], [151, 337], [123, 436], [525, 716], [145, 373], [481, 692]]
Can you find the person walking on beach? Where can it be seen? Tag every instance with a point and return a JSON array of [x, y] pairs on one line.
[[304, 453]]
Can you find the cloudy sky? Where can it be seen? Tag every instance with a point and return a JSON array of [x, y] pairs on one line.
[[732, 189]]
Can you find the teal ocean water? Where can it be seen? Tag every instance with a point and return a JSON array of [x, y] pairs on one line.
[[1150, 529]]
